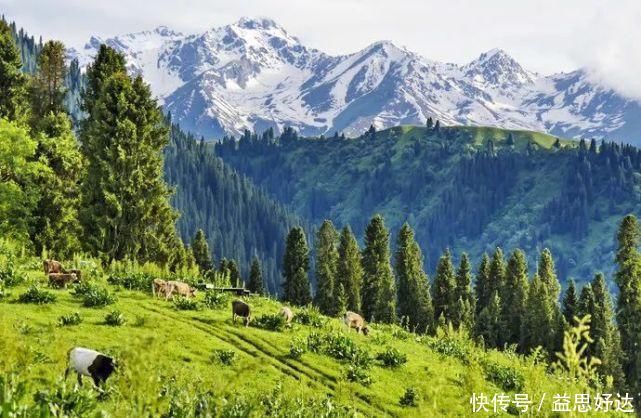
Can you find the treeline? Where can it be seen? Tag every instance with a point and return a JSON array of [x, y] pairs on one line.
[[499, 302]]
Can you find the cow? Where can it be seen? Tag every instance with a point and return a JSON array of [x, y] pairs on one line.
[[62, 279], [240, 308], [354, 320], [180, 288], [286, 313], [160, 287], [77, 272], [86, 362], [53, 266]]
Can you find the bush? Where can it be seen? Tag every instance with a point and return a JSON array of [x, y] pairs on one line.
[[215, 300], [359, 375], [132, 281], [141, 321], [36, 295], [9, 276], [64, 401], [450, 347], [409, 398], [97, 297], [505, 377], [226, 357], [391, 357], [314, 342], [115, 319], [310, 315], [185, 304], [296, 348], [271, 322], [340, 347], [70, 319]]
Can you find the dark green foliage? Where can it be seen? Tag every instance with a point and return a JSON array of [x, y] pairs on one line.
[[70, 319], [224, 357], [132, 280], [94, 296], [358, 374], [514, 294], [310, 315], [414, 299], [465, 301], [183, 303], [444, 289], [570, 303], [450, 347], [255, 284], [410, 398], [539, 326], [482, 284], [215, 300], [297, 348], [490, 324], [296, 287], [326, 268], [379, 292], [106, 63], [234, 273], [202, 255], [350, 270], [47, 88], [496, 281], [68, 400], [9, 275], [270, 322], [391, 357], [12, 80], [507, 378], [36, 295], [115, 319]]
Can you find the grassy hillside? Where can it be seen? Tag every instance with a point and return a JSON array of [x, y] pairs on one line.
[[466, 188], [168, 364]]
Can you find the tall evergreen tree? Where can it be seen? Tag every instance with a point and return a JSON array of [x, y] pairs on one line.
[[202, 254], [463, 295], [490, 323], [296, 287], [515, 293], [107, 62], [48, 88], [628, 279], [234, 273], [256, 278], [570, 303], [379, 292], [540, 324], [350, 269], [326, 269], [13, 82], [126, 213], [547, 272], [444, 289], [496, 282], [482, 284], [414, 301]]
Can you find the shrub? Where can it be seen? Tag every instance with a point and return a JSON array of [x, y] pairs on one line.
[[391, 357], [314, 342], [12, 393], [185, 304], [508, 378], [64, 401], [81, 289], [97, 297], [9, 275], [215, 300], [297, 348], [36, 295], [70, 319], [450, 347], [310, 315], [340, 347], [115, 319], [359, 375], [226, 357], [141, 321], [409, 398], [272, 322], [132, 281]]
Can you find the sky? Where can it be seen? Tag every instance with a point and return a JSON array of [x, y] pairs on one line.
[[543, 35]]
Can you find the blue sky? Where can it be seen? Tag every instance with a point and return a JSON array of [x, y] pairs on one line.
[[544, 36]]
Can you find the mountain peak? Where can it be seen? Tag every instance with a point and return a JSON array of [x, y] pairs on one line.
[[257, 23], [496, 67]]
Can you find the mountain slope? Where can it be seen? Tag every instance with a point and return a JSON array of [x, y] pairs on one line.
[[253, 74], [460, 187]]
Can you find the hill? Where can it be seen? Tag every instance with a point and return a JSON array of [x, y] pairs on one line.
[[176, 362], [467, 188]]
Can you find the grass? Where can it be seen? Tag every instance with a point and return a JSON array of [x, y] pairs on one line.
[[173, 362]]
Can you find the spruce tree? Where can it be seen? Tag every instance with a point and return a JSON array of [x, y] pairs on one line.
[[47, 89], [540, 324], [496, 281], [13, 82], [126, 213], [106, 63], [379, 292], [515, 293], [547, 272], [296, 287], [200, 250], [234, 274], [628, 279], [414, 301], [444, 289], [482, 284], [256, 278], [326, 269], [570, 303], [350, 269], [490, 325], [466, 303]]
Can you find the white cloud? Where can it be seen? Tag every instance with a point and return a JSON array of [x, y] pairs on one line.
[[544, 35]]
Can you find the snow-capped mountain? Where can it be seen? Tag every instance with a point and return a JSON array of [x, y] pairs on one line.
[[253, 74]]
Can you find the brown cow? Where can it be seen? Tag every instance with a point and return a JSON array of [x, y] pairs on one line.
[[160, 287], [180, 288], [62, 279], [240, 308], [354, 320], [53, 266], [286, 313]]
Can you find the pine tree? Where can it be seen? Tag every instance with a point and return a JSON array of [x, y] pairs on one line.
[[414, 302], [482, 284], [200, 250], [490, 325], [496, 281], [628, 279], [379, 293], [570, 303], [510, 139], [547, 272], [540, 324], [47, 89], [106, 63], [126, 213], [444, 288], [13, 82], [326, 269], [256, 278], [234, 274], [350, 269], [463, 295], [296, 287], [515, 293], [430, 123], [341, 298]]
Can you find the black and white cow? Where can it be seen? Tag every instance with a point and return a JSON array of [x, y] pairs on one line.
[[86, 362]]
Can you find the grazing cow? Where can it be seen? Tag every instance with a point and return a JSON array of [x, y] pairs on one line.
[[286, 313], [53, 266], [160, 287], [62, 279], [354, 320], [240, 308], [86, 362], [181, 289]]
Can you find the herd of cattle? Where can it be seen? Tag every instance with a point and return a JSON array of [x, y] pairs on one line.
[[98, 366]]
